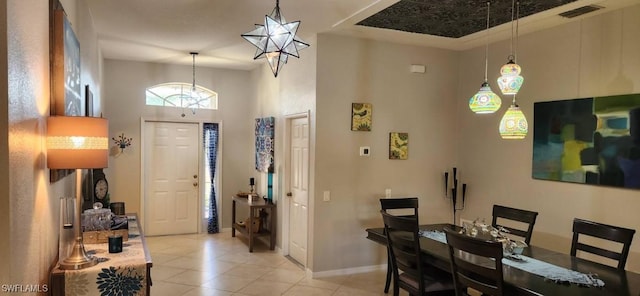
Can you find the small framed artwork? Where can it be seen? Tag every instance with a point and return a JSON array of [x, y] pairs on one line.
[[361, 116], [398, 145]]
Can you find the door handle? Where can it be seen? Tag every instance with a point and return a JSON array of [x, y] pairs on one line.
[[195, 176], [195, 184], [289, 194]]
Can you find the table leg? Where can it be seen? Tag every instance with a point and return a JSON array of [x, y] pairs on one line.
[[250, 227], [233, 219], [272, 239]]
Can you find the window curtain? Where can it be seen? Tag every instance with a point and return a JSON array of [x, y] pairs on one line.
[[211, 152]]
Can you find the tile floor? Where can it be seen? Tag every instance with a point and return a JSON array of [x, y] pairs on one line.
[[219, 265]]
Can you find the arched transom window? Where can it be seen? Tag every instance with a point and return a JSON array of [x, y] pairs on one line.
[[178, 94]]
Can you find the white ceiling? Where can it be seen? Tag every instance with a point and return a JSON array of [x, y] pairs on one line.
[[165, 31]]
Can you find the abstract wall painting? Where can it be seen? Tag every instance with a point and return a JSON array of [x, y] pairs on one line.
[[265, 129], [591, 141], [398, 145], [361, 116]]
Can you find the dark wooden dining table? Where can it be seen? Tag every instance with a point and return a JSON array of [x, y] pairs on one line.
[[520, 282]]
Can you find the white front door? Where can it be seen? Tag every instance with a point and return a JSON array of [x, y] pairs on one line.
[[299, 182], [171, 178]]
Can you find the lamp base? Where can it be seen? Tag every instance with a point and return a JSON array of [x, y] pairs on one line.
[[78, 258]]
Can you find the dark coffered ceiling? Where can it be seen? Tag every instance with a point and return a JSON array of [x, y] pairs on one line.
[[452, 18]]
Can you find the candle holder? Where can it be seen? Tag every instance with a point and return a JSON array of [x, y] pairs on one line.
[[252, 184], [454, 192]]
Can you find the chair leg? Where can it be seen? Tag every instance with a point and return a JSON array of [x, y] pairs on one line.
[[389, 274]]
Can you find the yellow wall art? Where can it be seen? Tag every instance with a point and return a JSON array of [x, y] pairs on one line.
[[361, 117], [398, 145]]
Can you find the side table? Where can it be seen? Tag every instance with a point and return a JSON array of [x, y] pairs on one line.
[[254, 206]]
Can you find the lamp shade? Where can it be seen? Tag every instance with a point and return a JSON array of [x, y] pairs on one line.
[[513, 124], [510, 80], [485, 101], [75, 142]]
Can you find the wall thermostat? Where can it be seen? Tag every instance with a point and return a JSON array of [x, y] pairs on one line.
[[365, 151]]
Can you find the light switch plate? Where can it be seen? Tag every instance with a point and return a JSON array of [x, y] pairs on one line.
[[326, 195]]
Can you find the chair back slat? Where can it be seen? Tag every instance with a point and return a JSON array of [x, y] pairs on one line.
[[475, 263], [523, 216], [617, 234], [400, 203]]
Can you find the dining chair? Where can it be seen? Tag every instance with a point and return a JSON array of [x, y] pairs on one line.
[[522, 216], [403, 243], [605, 232], [475, 263], [405, 203]]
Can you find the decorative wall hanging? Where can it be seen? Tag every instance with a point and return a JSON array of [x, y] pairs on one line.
[[265, 129], [591, 140], [398, 145], [66, 98], [122, 142], [361, 116]]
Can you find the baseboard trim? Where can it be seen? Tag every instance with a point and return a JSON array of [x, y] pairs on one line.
[[348, 271]]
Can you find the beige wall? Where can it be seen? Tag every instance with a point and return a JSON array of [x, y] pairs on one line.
[[5, 192], [357, 70], [597, 56], [124, 90], [292, 93], [33, 228]]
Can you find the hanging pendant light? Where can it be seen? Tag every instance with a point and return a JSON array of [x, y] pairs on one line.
[[510, 80], [485, 101], [514, 124], [191, 99], [276, 40]]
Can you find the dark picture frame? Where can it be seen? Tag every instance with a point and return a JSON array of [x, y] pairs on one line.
[[66, 91]]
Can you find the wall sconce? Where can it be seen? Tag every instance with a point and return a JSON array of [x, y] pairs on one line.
[[122, 142]]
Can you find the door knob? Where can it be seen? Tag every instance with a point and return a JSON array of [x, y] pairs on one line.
[[195, 184], [195, 176], [289, 194]]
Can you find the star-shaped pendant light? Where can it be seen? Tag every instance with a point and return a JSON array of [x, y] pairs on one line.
[[276, 40]]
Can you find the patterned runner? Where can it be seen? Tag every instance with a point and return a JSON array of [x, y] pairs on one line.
[[121, 274], [546, 270]]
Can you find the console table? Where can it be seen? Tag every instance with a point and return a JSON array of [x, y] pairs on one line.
[[254, 206], [133, 263]]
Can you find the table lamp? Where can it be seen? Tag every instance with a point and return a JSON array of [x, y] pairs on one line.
[[75, 142]]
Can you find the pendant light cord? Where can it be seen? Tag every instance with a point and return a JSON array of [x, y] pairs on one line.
[[193, 85], [513, 8], [486, 50], [515, 53]]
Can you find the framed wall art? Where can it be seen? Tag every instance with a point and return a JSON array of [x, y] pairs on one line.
[[590, 140], [398, 145], [361, 116], [66, 98], [265, 129]]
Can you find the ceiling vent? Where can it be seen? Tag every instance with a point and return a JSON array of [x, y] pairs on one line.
[[580, 11]]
